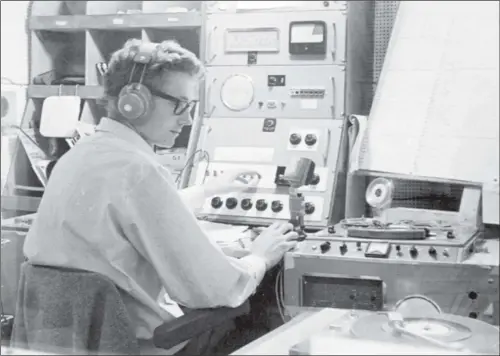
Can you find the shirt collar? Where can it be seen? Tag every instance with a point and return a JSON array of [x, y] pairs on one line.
[[124, 132]]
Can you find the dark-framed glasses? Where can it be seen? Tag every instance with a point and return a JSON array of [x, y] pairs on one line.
[[181, 106]]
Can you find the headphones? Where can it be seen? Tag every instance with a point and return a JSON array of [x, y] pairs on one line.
[[135, 101]]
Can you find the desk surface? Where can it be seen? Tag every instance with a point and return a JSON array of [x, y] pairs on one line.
[[300, 328]]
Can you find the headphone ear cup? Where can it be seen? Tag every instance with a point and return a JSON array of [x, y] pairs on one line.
[[135, 102]]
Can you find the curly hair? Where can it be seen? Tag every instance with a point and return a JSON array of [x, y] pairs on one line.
[[167, 56]]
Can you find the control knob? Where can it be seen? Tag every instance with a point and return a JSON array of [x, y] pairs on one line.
[[325, 246], [310, 139], [231, 203], [309, 208], [276, 206], [261, 205], [216, 202], [315, 179], [432, 252], [295, 139], [413, 252], [343, 248], [246, 204]]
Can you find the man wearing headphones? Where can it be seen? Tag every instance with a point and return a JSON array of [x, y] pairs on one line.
[[111, 208]]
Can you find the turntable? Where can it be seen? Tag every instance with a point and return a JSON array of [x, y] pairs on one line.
[[363, 332], [416, 325]]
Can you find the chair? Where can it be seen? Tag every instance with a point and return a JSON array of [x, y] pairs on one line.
[[62, 310]]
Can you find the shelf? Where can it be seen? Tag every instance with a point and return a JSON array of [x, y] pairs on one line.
[[20, 203], [115, 21], [83, 91]]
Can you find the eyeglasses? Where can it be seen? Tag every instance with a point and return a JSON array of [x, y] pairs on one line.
[[181, 106]]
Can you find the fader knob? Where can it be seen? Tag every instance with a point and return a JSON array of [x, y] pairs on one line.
[[315, 179], [310, 139], [216, 202], [432, 252], [309, 208], [276, 206], [295, 139], [231, 203], [413, 252], [261, 205], [246, 204]]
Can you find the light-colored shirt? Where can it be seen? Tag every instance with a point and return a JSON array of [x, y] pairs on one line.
[[111, 208]]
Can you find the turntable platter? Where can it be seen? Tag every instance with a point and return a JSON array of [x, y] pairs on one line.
[[469, 333]]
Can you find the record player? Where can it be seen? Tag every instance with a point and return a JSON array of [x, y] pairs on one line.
[[416, 326]]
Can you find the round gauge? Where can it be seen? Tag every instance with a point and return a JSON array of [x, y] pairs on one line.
[[237, 92]]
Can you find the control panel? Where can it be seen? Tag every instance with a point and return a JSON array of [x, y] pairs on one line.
[[399, 251], [342, 292], [275, 91], [294, 38], [360, 273], [269, 146], [260, 207]]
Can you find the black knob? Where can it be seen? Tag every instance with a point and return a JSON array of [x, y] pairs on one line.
[[343, 248], [310, 139], [398, 248], [413, 252], [331, 229], [261, 205], [216, 202], [450, 235], [246, 204], [231, 203], [315, 179], [276, 206], [432, 252], [325, 246], [295, 139], [309, 208], [358, 245], [473, 295]]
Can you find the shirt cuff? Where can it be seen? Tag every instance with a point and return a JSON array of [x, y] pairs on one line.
[[256, 266]]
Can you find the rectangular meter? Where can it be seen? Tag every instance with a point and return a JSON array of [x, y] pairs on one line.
[[307, 38], [277, 40]]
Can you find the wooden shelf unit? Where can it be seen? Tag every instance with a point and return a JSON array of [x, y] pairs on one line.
[[68, 39]]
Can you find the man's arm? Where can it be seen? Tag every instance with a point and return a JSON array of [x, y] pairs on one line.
[[194, 272]]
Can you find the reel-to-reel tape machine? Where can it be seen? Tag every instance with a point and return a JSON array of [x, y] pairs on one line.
[[372, 263]]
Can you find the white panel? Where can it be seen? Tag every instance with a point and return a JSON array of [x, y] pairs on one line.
[[267, 172], [435, 113]]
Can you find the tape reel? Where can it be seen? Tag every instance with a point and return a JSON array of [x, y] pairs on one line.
[[379, 193]]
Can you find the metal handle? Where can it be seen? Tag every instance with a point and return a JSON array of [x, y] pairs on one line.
[[209, 46], [325, 156], [334, 95], [334, 50], [208, 101]]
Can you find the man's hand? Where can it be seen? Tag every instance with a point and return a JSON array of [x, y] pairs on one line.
[[232, 181], [274, 242]]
